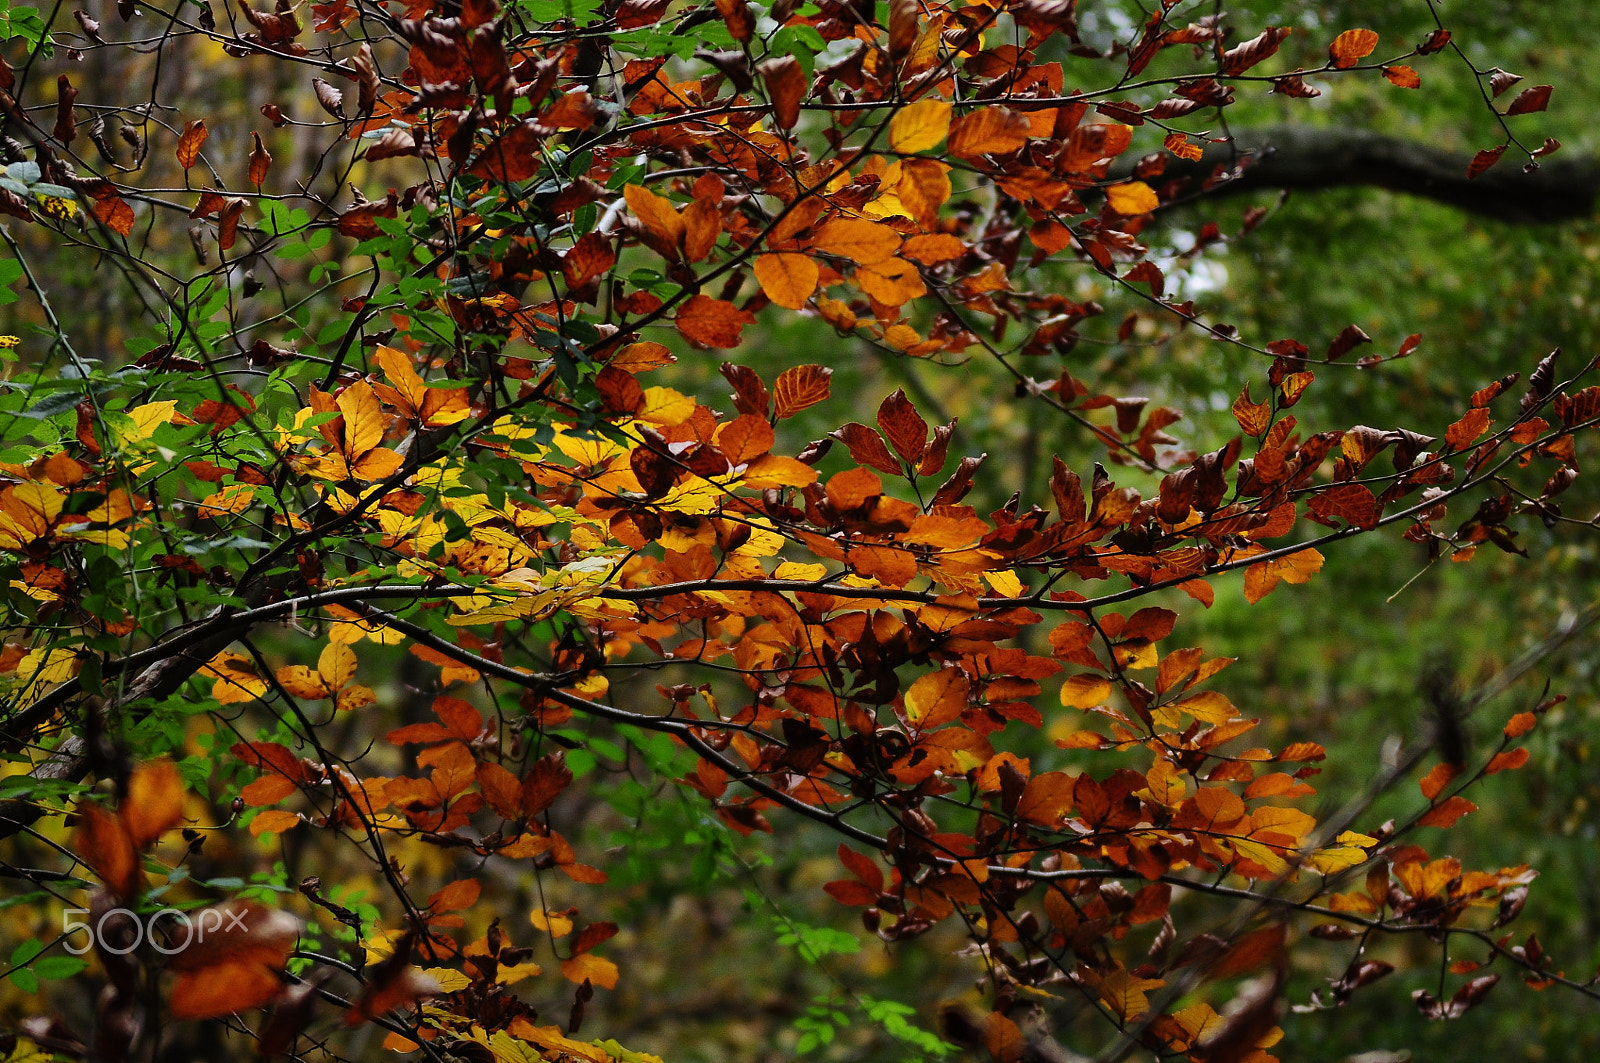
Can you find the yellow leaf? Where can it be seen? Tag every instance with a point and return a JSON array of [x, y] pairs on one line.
[[449, 981], [664, 406], [1125, 994], [590, 968], [1085, 691], [554, 923], [48, 666], [363, 419], [1132, 197], [147, 418], [302, 682], [233, 685], [920, 126], [337, 665]]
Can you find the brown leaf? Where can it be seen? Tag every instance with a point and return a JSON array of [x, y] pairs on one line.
[[1530, 100], [786, 86], [741, 25], [330, 98], [260, 160], [1484, 159], [65, 128], [903, 427], [1350, 502], [867, 448], [1242, 57]]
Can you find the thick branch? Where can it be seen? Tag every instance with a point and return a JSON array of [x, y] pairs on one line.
[[1563, 188]]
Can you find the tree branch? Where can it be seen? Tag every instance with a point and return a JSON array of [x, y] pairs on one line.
[[1562, 189]]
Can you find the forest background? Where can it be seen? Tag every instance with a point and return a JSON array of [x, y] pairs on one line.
[[730, 948]]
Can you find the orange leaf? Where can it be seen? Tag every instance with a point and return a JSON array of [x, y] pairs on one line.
[[1047, 798], [798, 388], [936, 698], [462, 893], [656, 214], [501, 789], [396, 990], [550, 775], [273, 821], [1402, 76], [1255, 950], [1507, 761], [857, 239], [1446, 814], [1520, 724], [931, 248], [104, 844], [708, 322], [1350, 47], [213, 992], [988, 130], [114, 212], [194, 135], [745, 439], [1435, 781], [267, 790], [702, 224], [154, 803], [787, 278], [1179, 145]]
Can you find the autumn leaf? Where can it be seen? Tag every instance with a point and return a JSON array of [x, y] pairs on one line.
[[713, 323], [1132, 197], [1351, 46], [988, 131], [919, 126], [194, 135], [858, 239], [798, 388], [787, 278]]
